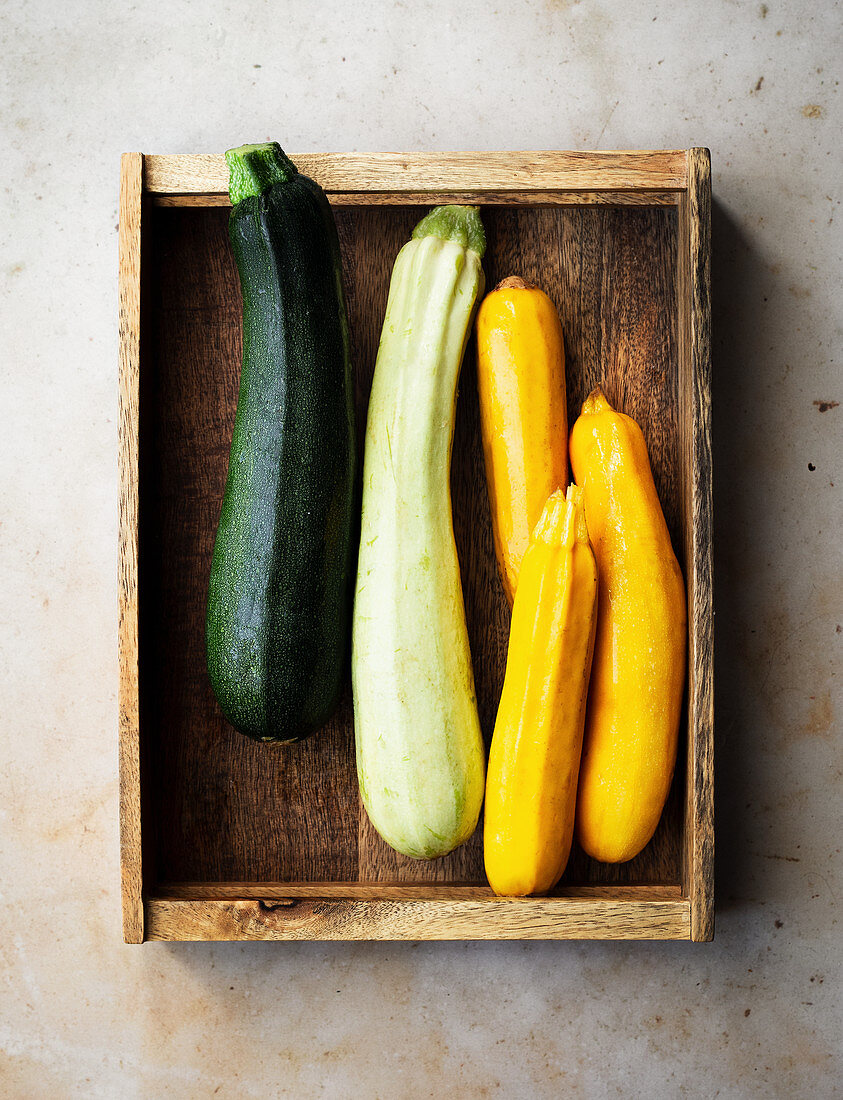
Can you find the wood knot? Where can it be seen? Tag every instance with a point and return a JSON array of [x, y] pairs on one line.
[[273, 906]]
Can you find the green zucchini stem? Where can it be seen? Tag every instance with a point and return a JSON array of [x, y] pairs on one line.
[[253, 169], [454, 223]]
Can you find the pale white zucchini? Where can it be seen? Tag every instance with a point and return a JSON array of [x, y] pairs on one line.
[[420, 758]]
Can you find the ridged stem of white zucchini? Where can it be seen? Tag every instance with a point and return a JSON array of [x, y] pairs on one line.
[[460, 224], [419, 746]]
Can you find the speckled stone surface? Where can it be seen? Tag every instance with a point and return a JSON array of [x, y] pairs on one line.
[[756, 1013]]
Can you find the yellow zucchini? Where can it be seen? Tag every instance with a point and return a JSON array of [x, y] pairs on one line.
[[523, 414], [531, 788], [638, 672]]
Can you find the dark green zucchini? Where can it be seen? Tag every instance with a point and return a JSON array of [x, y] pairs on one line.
[[279, 599]]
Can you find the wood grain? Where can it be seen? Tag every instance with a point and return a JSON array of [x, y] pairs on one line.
[[206, 174], [486, 917], [235, 891], [426, 891], [129, 298], [485, 198], [694, 295]]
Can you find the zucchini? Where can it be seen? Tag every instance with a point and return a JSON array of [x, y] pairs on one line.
[[534, 761], [279, 598], [638, 674], [419, 748], [523, 414]]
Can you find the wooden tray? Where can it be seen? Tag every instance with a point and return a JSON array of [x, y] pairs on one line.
[[226, 839]]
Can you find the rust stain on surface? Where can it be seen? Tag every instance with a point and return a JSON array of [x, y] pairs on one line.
[[824, 406], [820, 716]]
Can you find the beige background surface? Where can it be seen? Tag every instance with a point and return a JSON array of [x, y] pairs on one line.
[[757, 1013]]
